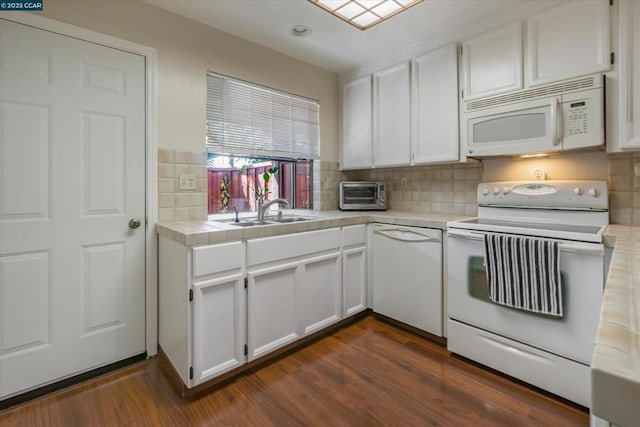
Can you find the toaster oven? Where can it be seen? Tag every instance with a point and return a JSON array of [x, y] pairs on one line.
[[362, 195]]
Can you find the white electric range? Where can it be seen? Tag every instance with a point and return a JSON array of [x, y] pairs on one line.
[[549, 352]]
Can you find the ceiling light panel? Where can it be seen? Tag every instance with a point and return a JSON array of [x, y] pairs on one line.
[[351, 10], [364, 14]]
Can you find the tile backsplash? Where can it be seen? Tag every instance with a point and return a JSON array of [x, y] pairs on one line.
[[326, 179], [181, 205], [624, 189], [429, 189]]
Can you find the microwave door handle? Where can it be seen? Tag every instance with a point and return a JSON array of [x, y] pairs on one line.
[[556, 126]]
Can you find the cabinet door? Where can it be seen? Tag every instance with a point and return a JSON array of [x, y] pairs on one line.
[[568, 41], [356, 123], [629, 90], [435, 106], [218, 326], [272, 311], [391, 116], [320, 283], [354, 280], [492, 62]]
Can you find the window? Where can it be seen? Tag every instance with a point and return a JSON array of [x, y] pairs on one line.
[[252, 129], [233, 182]]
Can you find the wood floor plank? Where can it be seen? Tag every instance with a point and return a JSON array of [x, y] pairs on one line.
[[366, 374]]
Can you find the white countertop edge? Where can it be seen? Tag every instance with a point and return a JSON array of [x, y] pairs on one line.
[[203, 232], [615, 365]]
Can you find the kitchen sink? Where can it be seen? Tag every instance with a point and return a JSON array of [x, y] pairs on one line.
[[250, 223], [290, 219], [268, 221]]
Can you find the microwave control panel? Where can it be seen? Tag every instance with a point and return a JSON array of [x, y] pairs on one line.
[[578, 122]]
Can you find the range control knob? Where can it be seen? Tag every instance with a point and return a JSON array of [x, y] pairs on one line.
[[485, 191], [577, 191], [496, 190], [593, 192], [506, 190]]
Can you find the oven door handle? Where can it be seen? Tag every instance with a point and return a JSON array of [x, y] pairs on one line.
[[465, 234], [582, 248], [574, 247]]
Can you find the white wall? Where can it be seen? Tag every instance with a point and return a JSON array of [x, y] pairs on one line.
[[186, 50]]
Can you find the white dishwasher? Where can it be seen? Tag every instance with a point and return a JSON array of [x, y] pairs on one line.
[[407, 275]]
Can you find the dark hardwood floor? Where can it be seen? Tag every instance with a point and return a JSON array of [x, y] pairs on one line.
[[366, 374]]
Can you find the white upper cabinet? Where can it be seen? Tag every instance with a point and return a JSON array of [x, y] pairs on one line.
[[391, 115], [356, 123], [492, 62], [568, 41], [435, 106], [629, 74]]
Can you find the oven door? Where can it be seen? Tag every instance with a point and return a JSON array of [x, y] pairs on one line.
[[582, 281]]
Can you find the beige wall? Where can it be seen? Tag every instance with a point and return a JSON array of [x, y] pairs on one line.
[[186, 50]]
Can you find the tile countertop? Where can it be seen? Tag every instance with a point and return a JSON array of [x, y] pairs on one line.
[[216, 231], [615, 366]]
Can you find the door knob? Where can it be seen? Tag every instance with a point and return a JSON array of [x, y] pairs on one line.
[[135, 223]]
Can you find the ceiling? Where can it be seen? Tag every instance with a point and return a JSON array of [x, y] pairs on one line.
[[335, 45]]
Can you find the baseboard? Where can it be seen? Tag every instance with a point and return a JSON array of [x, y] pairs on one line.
[[67, 382]]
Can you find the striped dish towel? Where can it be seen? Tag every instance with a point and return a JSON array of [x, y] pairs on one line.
[[524, 273]]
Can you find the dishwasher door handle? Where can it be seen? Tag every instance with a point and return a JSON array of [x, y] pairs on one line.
[[398, 233]]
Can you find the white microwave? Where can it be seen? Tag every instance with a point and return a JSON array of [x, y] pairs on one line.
[[558, 117]]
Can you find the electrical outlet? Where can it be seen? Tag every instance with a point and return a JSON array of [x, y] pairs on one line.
[[187, 181], [403, 182]]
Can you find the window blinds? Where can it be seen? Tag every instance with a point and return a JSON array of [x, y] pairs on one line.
[[252, 120]]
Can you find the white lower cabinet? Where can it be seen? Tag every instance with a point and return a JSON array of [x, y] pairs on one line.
[[321, 287], [227, 304], [218, 326], [272, 307], [354, 270], [294, 288], [202, 308]]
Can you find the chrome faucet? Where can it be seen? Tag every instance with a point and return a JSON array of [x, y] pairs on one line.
[[262, 206]]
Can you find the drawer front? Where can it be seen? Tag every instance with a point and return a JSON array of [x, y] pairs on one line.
[[217, 258], [354, 235], [269, 249]]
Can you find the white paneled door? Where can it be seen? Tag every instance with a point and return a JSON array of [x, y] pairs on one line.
[[72, 176]]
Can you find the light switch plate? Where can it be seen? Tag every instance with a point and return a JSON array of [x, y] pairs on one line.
[[187, 181]]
